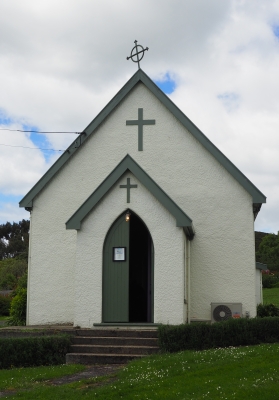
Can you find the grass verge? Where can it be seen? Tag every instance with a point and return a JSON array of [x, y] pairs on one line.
[[227, 373], [271, 296], [30, 378]]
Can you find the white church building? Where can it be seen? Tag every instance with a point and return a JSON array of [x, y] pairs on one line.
[[142, 220]]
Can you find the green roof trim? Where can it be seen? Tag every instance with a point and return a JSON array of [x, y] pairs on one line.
[[140, 76], [261, 266], [128, 164]]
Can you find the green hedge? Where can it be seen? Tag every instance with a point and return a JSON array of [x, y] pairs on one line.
[[5, 303], [33, 351], [234, 332], [267, 310]]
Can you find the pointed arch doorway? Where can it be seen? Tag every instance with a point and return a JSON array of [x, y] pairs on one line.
[[128, 272]]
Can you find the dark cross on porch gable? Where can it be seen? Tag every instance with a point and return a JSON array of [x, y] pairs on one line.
[[128, 187], [140, 122]]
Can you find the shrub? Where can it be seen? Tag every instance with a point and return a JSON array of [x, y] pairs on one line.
[[18, 308], [33, 351], [267, 310], [5, 303], [22, 282], [269, 281], [8, 282], [233, 332]]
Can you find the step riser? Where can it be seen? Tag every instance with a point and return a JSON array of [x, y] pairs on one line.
[[117, 333], [73, 358], [113, 346], [112, 341], [114, 350]]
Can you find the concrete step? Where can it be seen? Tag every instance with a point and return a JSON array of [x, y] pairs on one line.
[[86, 358], [139, 350], [139, 333], [111, 346], [115, 341]]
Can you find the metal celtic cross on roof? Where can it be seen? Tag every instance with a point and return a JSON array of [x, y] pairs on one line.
[[138, 52]]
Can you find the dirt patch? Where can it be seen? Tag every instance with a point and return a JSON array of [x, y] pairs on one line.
[[7, 393], [91, 371]]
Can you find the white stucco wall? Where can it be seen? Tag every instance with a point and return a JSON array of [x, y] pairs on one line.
[[222, 252], [50, 273], [168, 255]]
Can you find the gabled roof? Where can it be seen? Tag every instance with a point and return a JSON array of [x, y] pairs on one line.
[[140, 76], [128, 164]]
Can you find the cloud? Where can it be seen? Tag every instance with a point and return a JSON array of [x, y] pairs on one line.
[[62, 62], [21, 163], [229, 100], [10, 211]]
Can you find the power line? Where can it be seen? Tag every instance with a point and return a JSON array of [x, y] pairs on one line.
[[33, 148], [21, 130]]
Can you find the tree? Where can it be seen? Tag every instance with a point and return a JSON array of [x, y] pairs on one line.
[[11, 270], [269, 251], [14, 239]]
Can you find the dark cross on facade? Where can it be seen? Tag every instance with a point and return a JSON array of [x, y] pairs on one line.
[[128, 187], [140, 122], [137, 51]]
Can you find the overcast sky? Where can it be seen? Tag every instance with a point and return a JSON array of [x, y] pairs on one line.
[[62, 61]]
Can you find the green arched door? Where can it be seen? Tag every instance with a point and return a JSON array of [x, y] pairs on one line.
[[116, 273], [128, 272]]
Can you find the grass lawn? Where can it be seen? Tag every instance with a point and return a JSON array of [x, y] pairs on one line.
[[230, 373], [271, 296]]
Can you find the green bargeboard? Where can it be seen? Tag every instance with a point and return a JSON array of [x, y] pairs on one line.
[[116, 274]]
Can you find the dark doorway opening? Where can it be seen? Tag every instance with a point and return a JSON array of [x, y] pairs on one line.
[[139, 271]]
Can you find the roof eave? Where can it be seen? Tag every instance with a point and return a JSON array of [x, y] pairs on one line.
[[261, 266], [128, 164]]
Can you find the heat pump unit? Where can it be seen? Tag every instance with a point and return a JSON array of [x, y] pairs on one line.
[[224, 311]]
